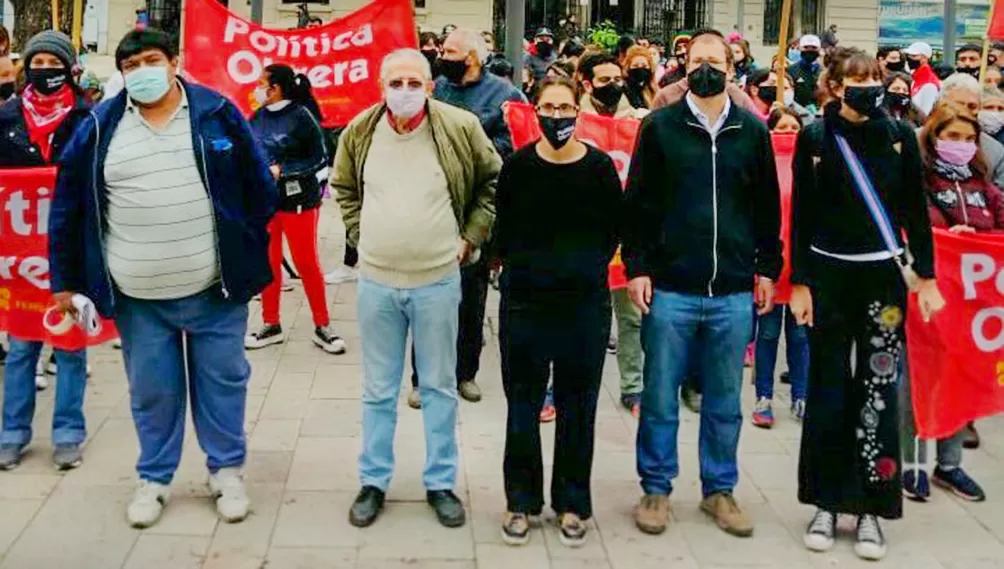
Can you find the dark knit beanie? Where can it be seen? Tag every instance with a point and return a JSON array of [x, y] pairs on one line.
[[50, 41]]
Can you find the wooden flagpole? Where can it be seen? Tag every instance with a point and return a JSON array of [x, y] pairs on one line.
[[55, 14], [986, 42], [782, 48]]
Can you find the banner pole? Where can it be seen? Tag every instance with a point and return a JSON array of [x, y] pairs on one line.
[[55, 14], [782, 47], [78, 22], [256, 11], [986, 42], [515, 22]]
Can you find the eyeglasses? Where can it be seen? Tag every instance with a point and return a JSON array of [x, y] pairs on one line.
[[563, 110], [411, 84]]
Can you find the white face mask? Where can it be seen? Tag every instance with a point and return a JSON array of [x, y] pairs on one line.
[[260, 95], [404, 102], [991, 121]]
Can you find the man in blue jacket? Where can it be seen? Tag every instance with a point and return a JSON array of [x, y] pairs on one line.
[[159, 218]]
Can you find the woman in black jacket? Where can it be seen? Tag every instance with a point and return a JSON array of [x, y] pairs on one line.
[[847, 285], [295, 145], [34, 127]]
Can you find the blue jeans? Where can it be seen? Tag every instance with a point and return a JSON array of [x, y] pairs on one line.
[[68, 426], [385, 315], [715, 331], [797, 344], [191, 346]]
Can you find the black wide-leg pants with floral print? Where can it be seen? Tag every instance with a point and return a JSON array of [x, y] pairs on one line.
[[850, 460]]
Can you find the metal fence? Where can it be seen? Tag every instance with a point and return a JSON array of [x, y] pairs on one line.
[[663, 19]]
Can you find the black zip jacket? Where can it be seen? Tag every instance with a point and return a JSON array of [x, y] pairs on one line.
[[702, 214], [16, 148], [294, 140]]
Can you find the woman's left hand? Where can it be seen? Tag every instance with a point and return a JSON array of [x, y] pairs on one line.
[[929, 299], [276, 171]]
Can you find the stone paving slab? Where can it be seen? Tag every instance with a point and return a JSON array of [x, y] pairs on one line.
[[303, 426]]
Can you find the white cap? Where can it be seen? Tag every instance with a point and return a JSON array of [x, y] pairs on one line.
[[919, 48], [809, 40]]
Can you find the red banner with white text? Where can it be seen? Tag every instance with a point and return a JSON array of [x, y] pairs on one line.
[[957, 359], [616, 137], [25, 199], [341, 58]]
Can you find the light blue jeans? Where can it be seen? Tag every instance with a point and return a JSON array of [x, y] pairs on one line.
[[385, 316], [716, 332], [68, 426], [209, 368]]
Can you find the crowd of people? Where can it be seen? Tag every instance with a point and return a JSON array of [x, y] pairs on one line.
[[171, 207]]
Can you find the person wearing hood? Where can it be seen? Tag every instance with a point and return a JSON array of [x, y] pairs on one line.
[[34, 129], [806, 71], [544, 54], [603, 87]]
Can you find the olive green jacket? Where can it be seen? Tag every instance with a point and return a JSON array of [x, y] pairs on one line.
[[468, 159]]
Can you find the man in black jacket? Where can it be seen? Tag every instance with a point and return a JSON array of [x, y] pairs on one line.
[[703, 196]]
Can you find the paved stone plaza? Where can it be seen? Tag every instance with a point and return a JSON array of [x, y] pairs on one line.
[[303, 426]]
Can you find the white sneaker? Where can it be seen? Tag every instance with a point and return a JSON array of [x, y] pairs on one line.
[[117, 343], [148, 504], [821, 533], [41, 382], [871, 543], [227, 487], [341, 275]]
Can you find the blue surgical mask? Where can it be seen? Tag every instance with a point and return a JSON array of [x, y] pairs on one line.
[[148, 84]]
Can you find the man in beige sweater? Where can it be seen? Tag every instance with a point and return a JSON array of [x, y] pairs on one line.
[[415, 179]]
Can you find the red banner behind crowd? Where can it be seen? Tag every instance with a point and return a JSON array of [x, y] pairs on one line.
[[341, 58], [616, 137], [995, 30], [25, 198], [957, 360]]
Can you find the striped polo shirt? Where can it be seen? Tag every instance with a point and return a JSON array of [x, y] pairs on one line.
[[161, 239]]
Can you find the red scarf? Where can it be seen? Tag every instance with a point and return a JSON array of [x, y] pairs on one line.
[[44, 113]]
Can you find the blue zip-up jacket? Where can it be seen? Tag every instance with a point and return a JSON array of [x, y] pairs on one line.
[[233, 169]]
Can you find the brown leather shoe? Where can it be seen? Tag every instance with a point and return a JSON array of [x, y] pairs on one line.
[[652, 513], [730, 518]]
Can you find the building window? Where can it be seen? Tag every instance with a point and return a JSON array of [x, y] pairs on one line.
[[806, 18], [420, 4], [663, 19]]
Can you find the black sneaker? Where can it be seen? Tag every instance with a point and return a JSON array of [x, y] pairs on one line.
[[971, 438], [367, 507], [269, 334], [871, 543], [915, 485], [449, 509], [959, 483], [612, 346], [516, 528], [822, 531], [328, 341]]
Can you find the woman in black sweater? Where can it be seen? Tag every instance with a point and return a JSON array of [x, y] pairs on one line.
[[847, 286], [288, 129], [557, 208]]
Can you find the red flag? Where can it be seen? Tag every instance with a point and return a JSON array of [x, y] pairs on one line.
[[341, 58], [957, 359], [25, 197], [616, 137], [784, 154], [995, 29]]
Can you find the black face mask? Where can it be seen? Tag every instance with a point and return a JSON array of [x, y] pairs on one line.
[[453, 69], [897, 101], [47, 81], [972, 71], [767, 94], [809, 56], [431, 55], [609, 95], [895, 65], [706, 81], [544, 49], [557, 131], [6, 90], [639, 76], [913, 64], [864, 100]]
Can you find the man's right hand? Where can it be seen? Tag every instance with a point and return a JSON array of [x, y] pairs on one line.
[[64, 303], [640, 292], [800, 305]]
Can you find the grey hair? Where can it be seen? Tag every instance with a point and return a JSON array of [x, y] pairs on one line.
[[404, 55], [472, 40], [992, 93], [958, 81]]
